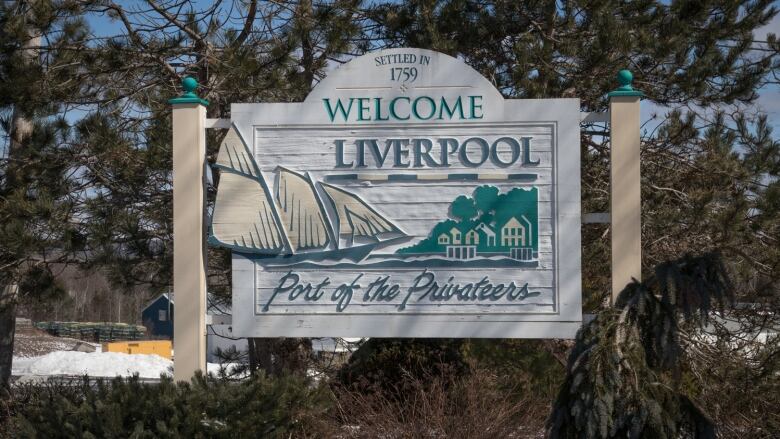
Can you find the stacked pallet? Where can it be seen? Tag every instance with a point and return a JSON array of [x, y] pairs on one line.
[[95, 332]]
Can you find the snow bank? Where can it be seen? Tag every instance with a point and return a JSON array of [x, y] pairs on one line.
[[99, 364], [96, 364]]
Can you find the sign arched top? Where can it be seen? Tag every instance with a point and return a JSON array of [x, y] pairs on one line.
[[416, 74]]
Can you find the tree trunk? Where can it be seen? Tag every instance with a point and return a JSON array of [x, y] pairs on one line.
[[307, 46], [7, 332], [265, 357], [260, 357], [21, 130], [279, 356], [21, 124], [291, 356], [252, 351]]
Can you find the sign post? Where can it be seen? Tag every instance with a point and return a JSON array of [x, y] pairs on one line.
[[405, 197], [189, 251], [626, 205]]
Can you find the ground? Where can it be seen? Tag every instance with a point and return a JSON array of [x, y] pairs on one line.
[[32, 342], [40, 355]]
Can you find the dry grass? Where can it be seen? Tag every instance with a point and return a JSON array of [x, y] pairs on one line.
[[476, 406]]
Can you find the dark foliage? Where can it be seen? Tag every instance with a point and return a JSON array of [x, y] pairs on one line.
[[387, 364], [623, 372], [206, 407]]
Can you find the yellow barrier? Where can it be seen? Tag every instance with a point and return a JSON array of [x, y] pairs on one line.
[[151, 347]]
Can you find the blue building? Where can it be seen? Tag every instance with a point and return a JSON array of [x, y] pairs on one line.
[[157, 316]]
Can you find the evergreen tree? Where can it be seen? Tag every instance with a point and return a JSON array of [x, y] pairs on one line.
[[239, 52], [623, 374], [39, 192], [206, 407]]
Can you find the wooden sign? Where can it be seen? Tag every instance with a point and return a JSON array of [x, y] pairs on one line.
[[405, 197]]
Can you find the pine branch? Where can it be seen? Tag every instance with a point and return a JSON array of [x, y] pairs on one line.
[[617, 383]]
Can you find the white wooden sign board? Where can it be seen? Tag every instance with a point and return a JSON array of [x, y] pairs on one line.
[[405, 197]]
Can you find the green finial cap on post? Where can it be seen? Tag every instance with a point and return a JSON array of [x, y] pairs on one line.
[[189, 84], [625, 78]]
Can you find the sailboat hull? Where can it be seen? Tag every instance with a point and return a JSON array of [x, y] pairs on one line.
[[352, 254]]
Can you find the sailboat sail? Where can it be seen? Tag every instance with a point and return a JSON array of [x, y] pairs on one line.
[[361, 226], [244, 216], [300, 211], [293, 224], [234, 156], [355, 217]]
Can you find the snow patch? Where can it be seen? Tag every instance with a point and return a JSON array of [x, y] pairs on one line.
[[100, 364], [96, 364]]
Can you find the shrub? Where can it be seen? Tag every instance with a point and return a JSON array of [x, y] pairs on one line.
[[528, 366], [387, 364], [624, 376], [473, 406], [206, 407]]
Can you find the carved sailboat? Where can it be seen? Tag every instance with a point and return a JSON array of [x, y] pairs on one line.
[[297, 219]]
